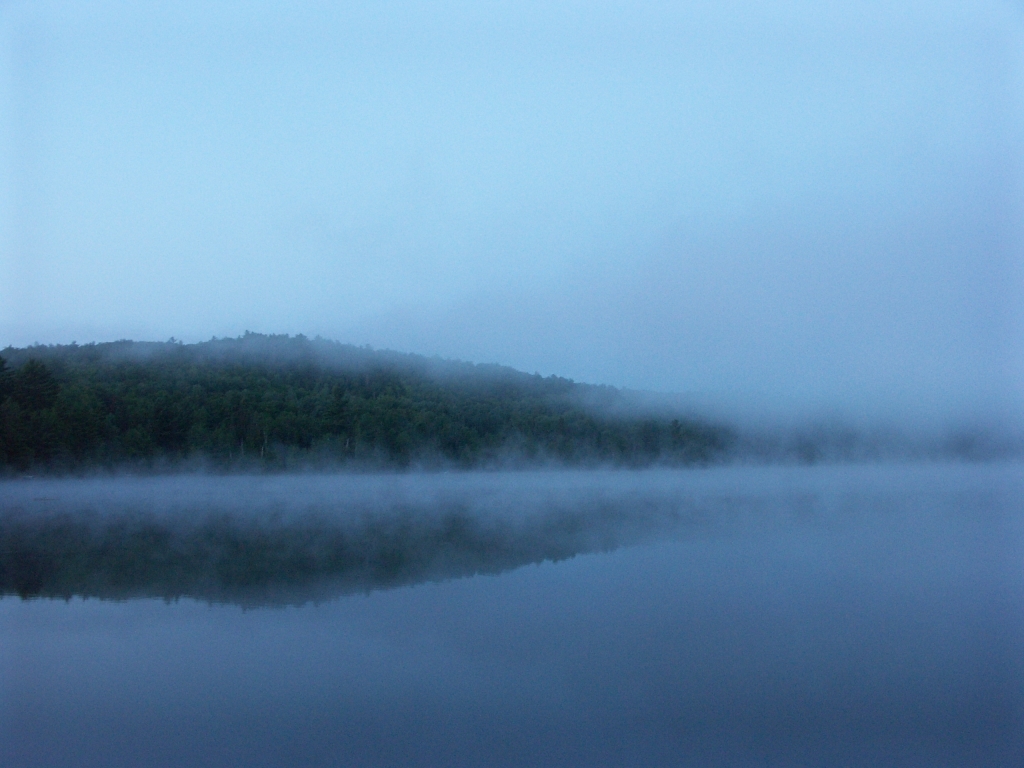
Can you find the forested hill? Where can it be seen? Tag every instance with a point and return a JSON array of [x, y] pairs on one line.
[[279, 401]]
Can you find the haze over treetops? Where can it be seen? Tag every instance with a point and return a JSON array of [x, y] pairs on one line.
[[278, 401]]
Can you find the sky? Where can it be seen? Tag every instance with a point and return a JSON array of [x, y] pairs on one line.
[[777, 207]]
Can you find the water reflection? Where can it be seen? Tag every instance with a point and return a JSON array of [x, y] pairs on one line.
[[322, 538], [259, 560], [845, 617]]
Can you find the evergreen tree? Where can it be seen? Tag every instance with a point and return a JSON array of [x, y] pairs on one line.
[[34, 387], [277, 401]]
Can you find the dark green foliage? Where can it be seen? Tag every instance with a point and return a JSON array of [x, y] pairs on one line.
[[33, 386], [5, 377], [276, 401]]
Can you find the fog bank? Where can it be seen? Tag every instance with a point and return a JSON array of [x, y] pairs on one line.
[[293, 539], [779, 209]]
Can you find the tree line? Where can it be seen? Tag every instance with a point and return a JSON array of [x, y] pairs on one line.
[[280, 401]]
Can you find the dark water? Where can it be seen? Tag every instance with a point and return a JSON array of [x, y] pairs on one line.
[[732, 617]]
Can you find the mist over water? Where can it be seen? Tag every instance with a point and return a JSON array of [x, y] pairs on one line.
[[788, 235], [268, 539], [732, 616]]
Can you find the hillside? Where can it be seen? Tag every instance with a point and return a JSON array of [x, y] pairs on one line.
[[277, 402]]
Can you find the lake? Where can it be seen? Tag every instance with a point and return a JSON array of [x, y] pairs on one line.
[[735, 616]]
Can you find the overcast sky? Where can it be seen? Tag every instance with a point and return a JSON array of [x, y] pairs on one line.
[[785, 206]]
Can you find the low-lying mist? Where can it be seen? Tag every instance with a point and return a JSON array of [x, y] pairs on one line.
[[291, 539], [281, 404]]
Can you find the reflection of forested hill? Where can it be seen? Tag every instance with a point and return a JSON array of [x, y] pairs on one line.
[[277, 401], [259, 559]]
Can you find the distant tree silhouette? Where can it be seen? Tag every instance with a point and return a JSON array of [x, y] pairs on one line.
[[5, 379], [34, 387], [276, 401]]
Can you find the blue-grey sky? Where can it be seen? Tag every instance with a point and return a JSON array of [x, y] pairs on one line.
[[785, 206]]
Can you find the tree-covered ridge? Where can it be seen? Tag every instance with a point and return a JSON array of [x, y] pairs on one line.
[[278, 401]]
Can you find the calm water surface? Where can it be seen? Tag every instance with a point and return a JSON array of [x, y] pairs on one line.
[[860, 616]]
